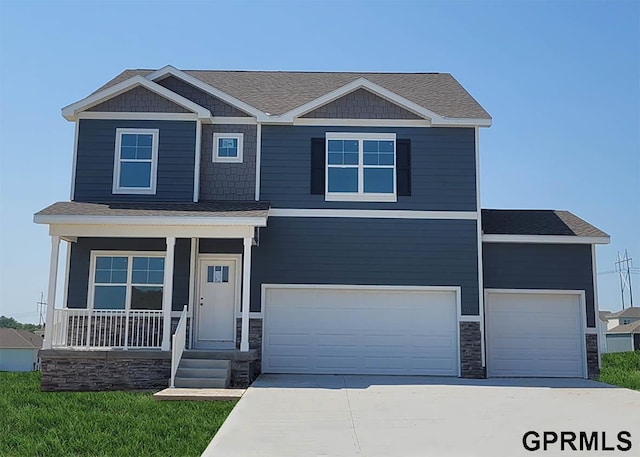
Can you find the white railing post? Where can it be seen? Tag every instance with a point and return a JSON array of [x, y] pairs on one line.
[[51, 293], [179, 342], [246, 294], [167, 295]]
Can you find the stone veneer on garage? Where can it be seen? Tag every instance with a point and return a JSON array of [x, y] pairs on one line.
[[471, 350], [593, 363]]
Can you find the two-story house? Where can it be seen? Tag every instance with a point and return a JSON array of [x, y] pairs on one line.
[[296, 222]]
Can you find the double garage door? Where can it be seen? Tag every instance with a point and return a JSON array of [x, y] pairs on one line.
[[360, 330]]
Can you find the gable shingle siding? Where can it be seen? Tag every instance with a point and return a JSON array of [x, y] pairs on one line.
[[139, 100], [213, 104], [361, 104]]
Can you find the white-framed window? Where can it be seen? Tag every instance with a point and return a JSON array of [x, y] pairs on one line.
[[227, 147], [126, 280], [136, 161], [360, 167]]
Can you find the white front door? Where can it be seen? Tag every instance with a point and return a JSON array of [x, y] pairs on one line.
[[216, 305]]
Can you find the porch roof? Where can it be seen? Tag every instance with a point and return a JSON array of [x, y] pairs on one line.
[[155, 213]]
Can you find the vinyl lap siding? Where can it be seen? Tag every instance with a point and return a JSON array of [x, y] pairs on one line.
[[95, 160], [442, 168], [369, 252], [79, 266], [540, 266]]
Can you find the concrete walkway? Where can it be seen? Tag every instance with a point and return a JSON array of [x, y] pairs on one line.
[[305, 415], [178, 393]]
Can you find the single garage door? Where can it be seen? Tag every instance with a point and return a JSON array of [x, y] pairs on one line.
[[534, 334], [358, 330]]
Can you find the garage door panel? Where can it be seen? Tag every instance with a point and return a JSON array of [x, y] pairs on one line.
[[364, 331], [534, 334]]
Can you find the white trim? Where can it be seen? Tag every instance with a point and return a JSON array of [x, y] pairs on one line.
[[258, 159], [373, 213], [596, 304], [483, 348], [121, 115], [592, 331], [152, 231], [193, 261], [469, 318], [246, 293], [170, 70], [196, 165], [456, 289], [235, 136], [362, 122], [583, 312], [51, 291], [221, 120], [70, 112], [360, 195], [74, 160], [117, 162], [65, 292], [544, 239], [208, 258], [167, 292], [150, 220], [118, 253]]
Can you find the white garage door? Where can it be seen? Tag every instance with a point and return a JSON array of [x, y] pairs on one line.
[[534, 334], [324, 329]]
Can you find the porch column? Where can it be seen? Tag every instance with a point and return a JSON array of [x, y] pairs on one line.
[[51, 293], [246, 293], [167, 294]]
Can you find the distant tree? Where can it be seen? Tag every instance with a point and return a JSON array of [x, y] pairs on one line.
[[10, 322]]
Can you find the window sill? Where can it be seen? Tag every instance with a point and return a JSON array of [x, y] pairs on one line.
[[227, 160], [361, 197], [134, 191]]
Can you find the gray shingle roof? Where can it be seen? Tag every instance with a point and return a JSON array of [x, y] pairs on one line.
[[633, 327], [536, 222], [277, 92], [19, 339], [200, 209], [632, 311]]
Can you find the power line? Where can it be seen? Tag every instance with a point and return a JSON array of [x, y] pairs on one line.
[[623, 266]]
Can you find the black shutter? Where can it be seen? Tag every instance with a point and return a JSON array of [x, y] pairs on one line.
[[403, 167], [317, 165]]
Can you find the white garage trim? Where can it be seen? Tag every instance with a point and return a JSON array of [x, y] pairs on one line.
[[455, 289], [582, 314]]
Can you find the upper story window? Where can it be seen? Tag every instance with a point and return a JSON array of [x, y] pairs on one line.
[[360, 167], [227, 147], [136, 161]]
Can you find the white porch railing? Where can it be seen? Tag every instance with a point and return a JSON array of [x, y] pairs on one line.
[[106, 329], [178, 344]]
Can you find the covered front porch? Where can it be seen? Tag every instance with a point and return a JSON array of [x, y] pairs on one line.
[[148, 281]]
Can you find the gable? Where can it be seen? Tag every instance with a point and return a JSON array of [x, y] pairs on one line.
[[141, 100], [213, 104], [361, 104]]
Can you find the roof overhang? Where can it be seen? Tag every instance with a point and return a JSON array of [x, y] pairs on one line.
[[546, 239], [71, 112]]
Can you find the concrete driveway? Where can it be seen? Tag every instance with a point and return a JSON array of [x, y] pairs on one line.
[[309, 415]]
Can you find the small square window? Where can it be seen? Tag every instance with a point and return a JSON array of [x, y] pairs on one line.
[[218, 273], [227, 147]]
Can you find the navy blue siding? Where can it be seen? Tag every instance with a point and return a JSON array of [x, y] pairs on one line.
[[368, 252], [96, 153], [80, 262], [221, 246], [443, 171], [540, 266]]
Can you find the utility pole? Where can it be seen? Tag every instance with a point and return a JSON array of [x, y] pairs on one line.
[[624, 264], [42, 305]]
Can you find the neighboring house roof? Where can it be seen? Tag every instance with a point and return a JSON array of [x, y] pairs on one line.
[[536, 222], [228, 211], [633, 327], [631, 312], [278, 92], [604, 315], [11, 338]]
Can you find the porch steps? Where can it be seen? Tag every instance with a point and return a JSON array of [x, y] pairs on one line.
[[197, 370]]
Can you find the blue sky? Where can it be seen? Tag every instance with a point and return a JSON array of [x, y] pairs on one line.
[[561, 80]]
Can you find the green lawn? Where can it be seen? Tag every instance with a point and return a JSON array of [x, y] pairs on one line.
[[621, 369], [34, 423]]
